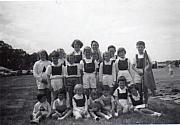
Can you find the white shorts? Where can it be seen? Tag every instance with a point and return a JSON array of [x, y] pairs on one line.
[[107, 80], [89, 80], [56, 84], [79, 112], [126, 74], [137, 78]]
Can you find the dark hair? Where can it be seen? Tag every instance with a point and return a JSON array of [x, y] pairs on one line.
[[140, 43], [94, 42], [78, 42], [133, 86], [40, 96], [122, 78], [55, 54], [68, 56], [111, 46], [121, 49], [43, 51], [62, 92], [105, 88]]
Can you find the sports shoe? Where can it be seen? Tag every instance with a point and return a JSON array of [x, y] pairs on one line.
[[97, 118], [34, 121], [60, 118], [107, 117], [116, 114]]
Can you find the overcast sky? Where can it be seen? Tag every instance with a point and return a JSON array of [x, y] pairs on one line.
[[55, 24]]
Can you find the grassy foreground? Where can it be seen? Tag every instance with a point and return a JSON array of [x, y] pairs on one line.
[[18, 95]]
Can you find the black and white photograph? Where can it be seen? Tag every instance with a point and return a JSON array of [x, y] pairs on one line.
[[93, 62]]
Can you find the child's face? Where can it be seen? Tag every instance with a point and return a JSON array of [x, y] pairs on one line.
[[76, 47], [42, 56], [112, 52], [94, 96], [95, 46], [55, 60], [79, 91], [61, 55], [107, 57], [88, 54], [122, 54], [122, 84], [134, 92], [43, 99], [71, 59], [61, 96], [140, 48], [106, 93]]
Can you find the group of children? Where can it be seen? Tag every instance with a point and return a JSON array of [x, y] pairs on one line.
[[89, 84]]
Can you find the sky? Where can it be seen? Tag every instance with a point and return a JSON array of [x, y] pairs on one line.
[[49, 25]]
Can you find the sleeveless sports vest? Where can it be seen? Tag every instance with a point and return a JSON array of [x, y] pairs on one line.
[[80, 102], [89, 67], [140, 62], [78, 58], [123, 64], [107, 69], [72, 70], [122, 95], [57, 70], [134, 102]]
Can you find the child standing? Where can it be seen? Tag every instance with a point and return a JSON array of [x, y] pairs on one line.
[[123, 66], [137, 104], [61, 106], [62, 56], [107, 102], [88, 68], [55, 73], [72, 74], [42, 109], [121, 96], [138, 66], [107, 74], [112, 50], [77, 45], [39, 70], [80, 103]]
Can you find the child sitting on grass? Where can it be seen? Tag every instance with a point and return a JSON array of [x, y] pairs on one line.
[[138, 104], [107, 102], [61, 106], [95, 106], [121, 96], [80, 103], [42, 109]]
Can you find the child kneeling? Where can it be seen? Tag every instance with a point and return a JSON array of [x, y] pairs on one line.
[[61, 106], [79, 101], [42, 109]]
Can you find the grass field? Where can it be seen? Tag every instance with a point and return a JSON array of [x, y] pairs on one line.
[[18, 95]]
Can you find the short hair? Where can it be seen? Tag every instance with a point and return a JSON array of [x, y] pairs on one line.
[[122, 78], [94, 92], [43, 51], [87, 48], [70, 55], [94, 42], [106, 52], [140, 43], [77, 41], [121, 49], [40, 96], [112, 46], [133, 86], [77, 87], [105, 88], [61, 92], [55, 54]]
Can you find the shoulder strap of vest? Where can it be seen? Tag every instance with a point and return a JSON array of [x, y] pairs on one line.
[[118, 91], [136, 58], [84, 61]]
